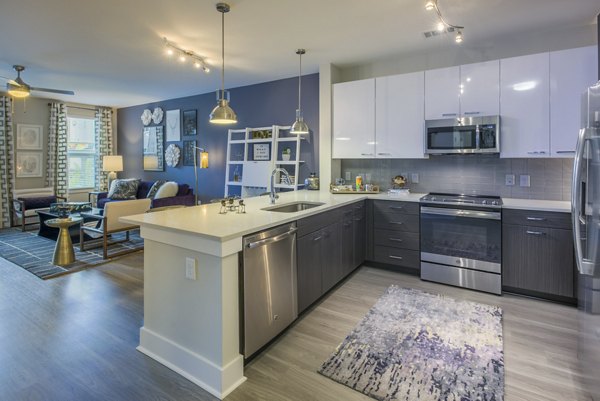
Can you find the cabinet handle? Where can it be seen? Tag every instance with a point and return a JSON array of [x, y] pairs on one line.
[[395, 257], [471, 113], [318, 238], [396, 222], [448, 114], [397, 207], [384, 154], [536, 219], [366, 154], [537, 152], [535, 232], [396, 239], [565, 151]]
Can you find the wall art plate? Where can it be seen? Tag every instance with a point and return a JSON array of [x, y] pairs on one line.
[[157, 115], [172, 155], [146, 117]]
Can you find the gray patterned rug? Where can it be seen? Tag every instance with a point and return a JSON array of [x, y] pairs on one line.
[[413, 345], [34, 253]]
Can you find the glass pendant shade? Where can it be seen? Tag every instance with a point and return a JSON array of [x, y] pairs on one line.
[[299, 127], [223, 114], [204, 159]]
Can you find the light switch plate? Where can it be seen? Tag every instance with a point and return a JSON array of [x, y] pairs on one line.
[[509, 179], [348, 176], [414, 178], [190, 268], [524, 180]]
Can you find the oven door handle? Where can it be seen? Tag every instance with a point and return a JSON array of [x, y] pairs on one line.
[[474, 214]]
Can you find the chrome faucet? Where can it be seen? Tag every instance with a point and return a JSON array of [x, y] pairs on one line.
[[273, 195]]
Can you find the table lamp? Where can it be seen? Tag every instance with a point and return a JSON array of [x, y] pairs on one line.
[[112, 164], [203, 164]]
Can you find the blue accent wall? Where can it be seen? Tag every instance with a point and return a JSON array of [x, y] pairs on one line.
[[257, 105]]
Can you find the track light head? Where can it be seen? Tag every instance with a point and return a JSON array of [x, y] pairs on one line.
[[429, 5], [459, 37]]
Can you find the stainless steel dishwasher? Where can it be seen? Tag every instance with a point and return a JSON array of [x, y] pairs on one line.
[[269, 285]]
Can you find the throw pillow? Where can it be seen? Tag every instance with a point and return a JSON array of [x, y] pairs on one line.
[[154, 188], [123, 188], [167, 190]]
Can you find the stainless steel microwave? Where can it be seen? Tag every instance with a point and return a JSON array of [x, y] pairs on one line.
[[463, 135]]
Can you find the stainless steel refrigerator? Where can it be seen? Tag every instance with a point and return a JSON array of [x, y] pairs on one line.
[[585, 205]]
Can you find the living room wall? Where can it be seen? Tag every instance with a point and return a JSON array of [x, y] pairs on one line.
[[257, 105]]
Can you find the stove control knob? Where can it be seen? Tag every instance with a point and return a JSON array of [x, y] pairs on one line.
[[495, 203], [484, 202], [432, 198]]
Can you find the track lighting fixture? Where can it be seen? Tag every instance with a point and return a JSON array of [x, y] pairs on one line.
[[443, 25], [185, 55]]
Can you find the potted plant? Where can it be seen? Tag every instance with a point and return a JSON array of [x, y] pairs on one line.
[[285, 155]]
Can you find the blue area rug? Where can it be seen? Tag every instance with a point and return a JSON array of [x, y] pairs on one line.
[[413, 345], [34, 253]]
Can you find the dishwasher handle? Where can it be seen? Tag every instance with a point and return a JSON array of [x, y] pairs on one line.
[[270, 240]]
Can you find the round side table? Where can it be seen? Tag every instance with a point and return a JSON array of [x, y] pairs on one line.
[[63, 252]]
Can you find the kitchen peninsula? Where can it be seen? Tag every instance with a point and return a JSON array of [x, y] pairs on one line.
[[192, 325]]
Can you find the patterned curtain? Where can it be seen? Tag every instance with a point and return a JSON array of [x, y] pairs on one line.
[[7, 152], [104, 146], [57, 169]]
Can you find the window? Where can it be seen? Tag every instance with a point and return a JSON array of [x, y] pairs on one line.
[[81, 150]]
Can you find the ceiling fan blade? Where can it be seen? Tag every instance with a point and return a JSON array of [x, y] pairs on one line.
[[62, 92], [10, 81]]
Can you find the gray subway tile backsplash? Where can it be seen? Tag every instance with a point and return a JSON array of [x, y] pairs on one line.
[[474, 174]]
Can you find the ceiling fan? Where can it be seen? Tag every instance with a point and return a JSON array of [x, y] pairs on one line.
[[18, 88]]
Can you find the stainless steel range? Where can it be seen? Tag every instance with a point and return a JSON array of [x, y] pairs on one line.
[[461, 241]]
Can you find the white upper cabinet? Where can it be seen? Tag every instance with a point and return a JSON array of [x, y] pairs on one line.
[[354, 119], [442, 93], [399, 116], [525, 106], [571, 73], [480, 89]]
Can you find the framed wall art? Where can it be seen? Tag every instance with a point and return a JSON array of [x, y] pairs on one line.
[[29, 137], [153, 149], [190, 122], [261, 151], [29, 164], [189, 152], [173, 126]]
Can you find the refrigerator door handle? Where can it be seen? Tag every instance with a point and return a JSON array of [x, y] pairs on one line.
[[584, 266]]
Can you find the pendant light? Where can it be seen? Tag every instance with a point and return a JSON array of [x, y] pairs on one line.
[[299, 127], [222, 113]]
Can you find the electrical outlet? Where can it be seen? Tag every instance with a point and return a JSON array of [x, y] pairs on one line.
[[524, 180], [509, 179], [190, 268], [348, 176], [368, 178], [414, 178]]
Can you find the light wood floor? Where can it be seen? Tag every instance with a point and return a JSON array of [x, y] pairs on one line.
[[74, 338]]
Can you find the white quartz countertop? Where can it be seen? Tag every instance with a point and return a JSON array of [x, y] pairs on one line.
[[536, 204], [205, 220]]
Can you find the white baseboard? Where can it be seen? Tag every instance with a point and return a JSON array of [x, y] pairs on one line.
[[217, 380]]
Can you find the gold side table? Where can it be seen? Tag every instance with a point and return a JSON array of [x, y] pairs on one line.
[[63, 252]]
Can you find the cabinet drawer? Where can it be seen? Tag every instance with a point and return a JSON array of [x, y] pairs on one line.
[[399, 257], [393, 207], [397, 222], [311, 224], [536, 218], [397, 239]]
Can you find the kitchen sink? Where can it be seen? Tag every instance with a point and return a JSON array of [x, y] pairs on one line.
[[292, 207]]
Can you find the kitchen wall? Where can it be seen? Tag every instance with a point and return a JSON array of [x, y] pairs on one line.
[[475, 174], [257, 105]]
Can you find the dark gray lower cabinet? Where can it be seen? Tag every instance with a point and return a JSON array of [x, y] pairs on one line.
[[330, 253], [331, 256], [538, 260], [309, 269]]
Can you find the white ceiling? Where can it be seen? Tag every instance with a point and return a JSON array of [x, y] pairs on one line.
[[110, 51]]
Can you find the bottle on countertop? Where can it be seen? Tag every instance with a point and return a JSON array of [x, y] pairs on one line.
[[358, 182]]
